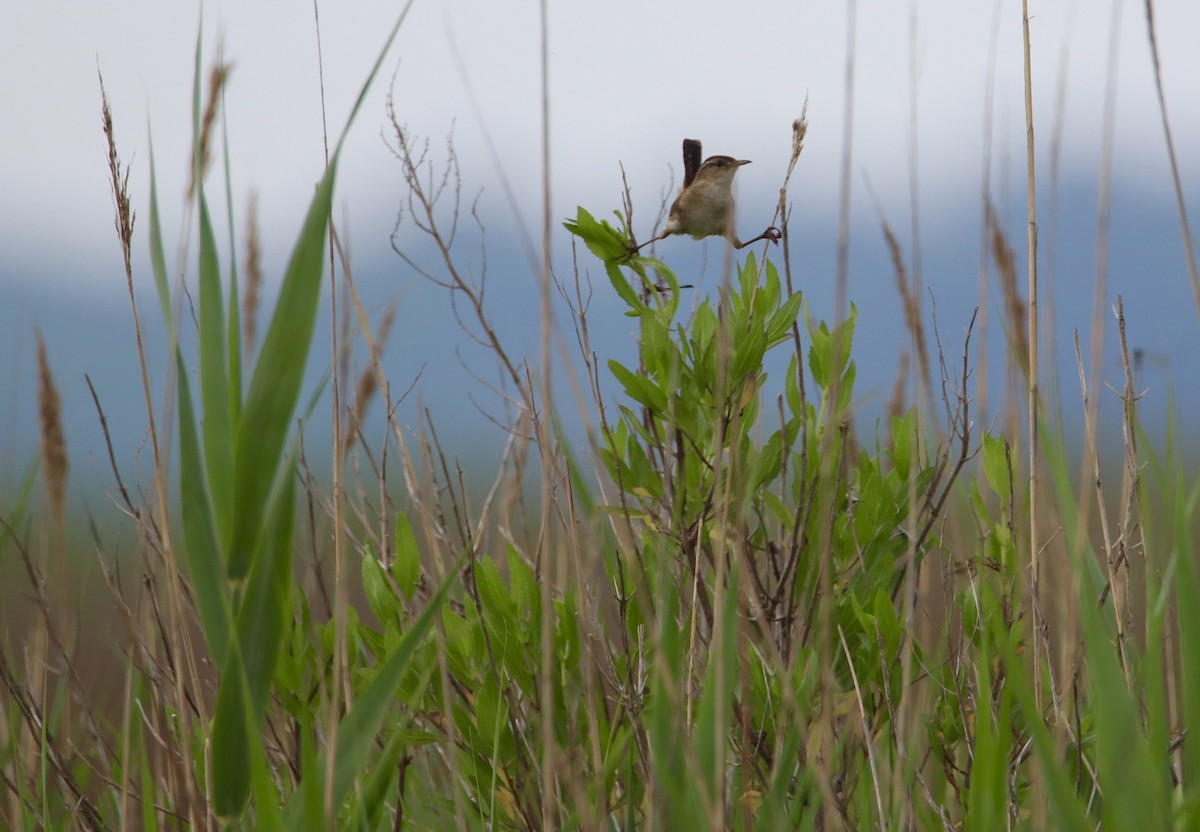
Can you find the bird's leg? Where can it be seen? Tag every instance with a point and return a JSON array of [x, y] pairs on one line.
[[772, 233], [635, 249]]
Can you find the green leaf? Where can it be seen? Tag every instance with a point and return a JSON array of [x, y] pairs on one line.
[[639, 388], [526, 592], [406, 566], [495, 595], [846, 388], [818, 354], [844, 338], [903, 443], [625, 291], [779, 328], [658, 351], [375, 586], [599, 236], [996, 466], [888, 623], [566, 633], [768, 462], [749, 349]]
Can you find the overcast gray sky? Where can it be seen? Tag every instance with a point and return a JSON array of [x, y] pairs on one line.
[[628, 80]]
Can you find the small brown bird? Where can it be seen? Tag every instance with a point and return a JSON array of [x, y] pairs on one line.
[[704, 207]]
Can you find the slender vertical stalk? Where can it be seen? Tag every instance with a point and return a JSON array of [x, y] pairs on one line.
[[1180, 202], [834, 445], [548, 555], [339, 580], [1034, 541]]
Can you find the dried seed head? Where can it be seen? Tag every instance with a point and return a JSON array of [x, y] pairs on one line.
[[216, 86], [54, 445], [254, 276]]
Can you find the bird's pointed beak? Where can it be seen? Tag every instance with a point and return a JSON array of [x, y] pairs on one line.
[[741, 162]]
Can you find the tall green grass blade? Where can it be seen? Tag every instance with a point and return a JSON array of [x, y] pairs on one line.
[[149, 791], [671, 750], [357, 733], [1131, 773], [204, 559], [1187, 601], [158, 258], [245, 688], [214, 378], [716, 700], [1065, 809], [987, 801], [20, 502], [268, 817], [234, 327], [367, 811]]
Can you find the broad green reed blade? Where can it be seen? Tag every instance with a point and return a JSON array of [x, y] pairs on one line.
[[275, 385]]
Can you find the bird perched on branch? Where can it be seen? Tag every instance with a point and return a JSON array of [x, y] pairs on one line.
[[704, 207]]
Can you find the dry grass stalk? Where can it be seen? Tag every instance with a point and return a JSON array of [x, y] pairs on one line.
[[912, 305], [177, 637], [799, 131], [1116, 580], [1132, 540], [55, 610], [896, 404], [370, 379], [123, 214], [1189, 247], [1014, 304]]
